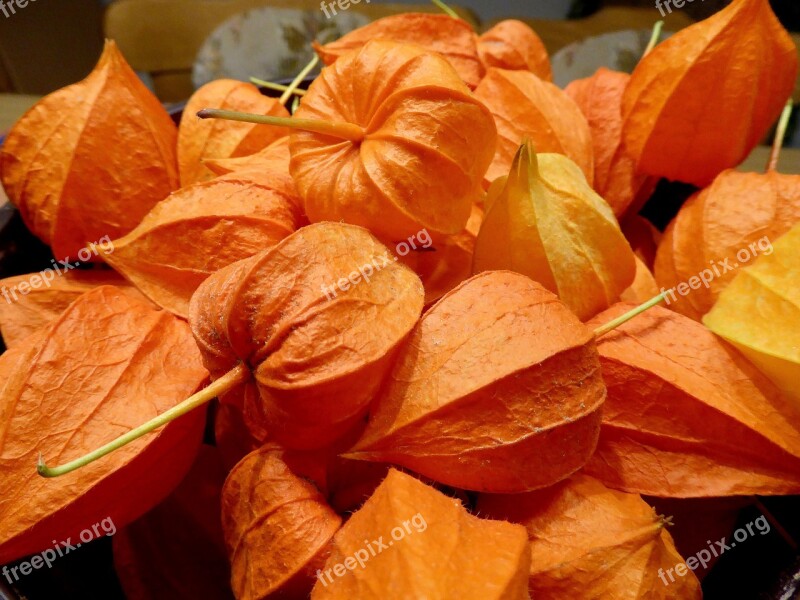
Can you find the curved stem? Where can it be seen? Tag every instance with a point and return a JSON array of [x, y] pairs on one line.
[[446, 9], [239, 374], [298, 80], [344, 131], [611, 325], [654, 37], [780, 134], [275, 86]]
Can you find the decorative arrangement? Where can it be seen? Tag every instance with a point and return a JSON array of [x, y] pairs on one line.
[[434, 358]]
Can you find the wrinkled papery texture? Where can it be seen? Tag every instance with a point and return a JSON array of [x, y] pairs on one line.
[[106, 365], [277, 528], [176, 551], [42, 305], [600, 99], [644, 286], [345, 483], [588, 541], [440, 551], [512, 45], [452, 38], [274, 157], [547, 223], [703, 99], [447, 262], [527, 107], [201, 228], [498, 389], [716, 224], [200, 139], [317, 357], [236, 434], [759, 313], [90, 159], [688, 416], [427, 143]]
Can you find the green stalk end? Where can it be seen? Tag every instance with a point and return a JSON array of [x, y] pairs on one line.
[[622, 319], [236, 376]]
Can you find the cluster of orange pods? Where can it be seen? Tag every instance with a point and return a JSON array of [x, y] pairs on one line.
[[478, 416]]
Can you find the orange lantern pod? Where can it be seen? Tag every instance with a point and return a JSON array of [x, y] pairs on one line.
[[411, 541], [330, 282], [527, 107], [390, 140], [502, 351], [199, 140], [41, 305], [277, 528], [721, 229], [735, 68], [687, 416], [200, 229], [451, 37], [546, 222], [588, 541], [512, 45], [91, 159], [105, 365], [600, 99]]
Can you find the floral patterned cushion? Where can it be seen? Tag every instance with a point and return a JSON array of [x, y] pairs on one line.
[[269, 43]]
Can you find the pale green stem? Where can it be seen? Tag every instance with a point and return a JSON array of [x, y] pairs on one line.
[[345, 131], [298, 80], [654, 37], [780, 134], [234, 377], [275, 86], [611, 325]]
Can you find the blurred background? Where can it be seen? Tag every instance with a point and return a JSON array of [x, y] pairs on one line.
[[51, 43], [178, 45]]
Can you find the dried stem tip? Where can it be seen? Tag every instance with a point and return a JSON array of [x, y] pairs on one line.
[[344, 131], [611, 325], [234, 377]]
